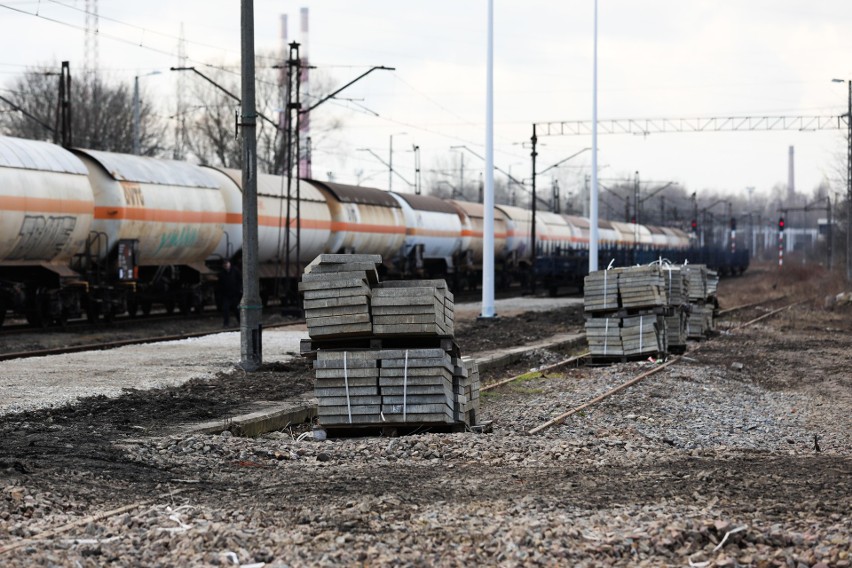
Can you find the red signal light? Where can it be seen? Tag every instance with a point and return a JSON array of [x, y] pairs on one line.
[[694, 224], [781, 224]]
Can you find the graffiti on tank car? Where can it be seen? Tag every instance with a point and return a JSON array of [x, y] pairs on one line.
[[184, 238], [133, 195], [42, 237]]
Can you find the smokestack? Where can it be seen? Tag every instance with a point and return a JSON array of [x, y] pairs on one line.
[[791, 180], [304, 119]]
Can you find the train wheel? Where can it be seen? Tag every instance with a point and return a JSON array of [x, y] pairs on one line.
[[62, 320], [146, 307], [37, 312], [92, 312], [132, 307]]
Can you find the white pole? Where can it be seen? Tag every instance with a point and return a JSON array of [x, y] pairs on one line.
[[593, 198], [137, 144], [488, 229]]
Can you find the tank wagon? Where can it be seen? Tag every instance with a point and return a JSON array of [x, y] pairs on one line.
[[96, 234]]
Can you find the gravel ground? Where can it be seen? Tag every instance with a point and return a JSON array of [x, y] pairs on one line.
[[711, 462]]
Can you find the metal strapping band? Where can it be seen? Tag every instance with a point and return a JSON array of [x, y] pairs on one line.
[[346, 384], [405, 389]]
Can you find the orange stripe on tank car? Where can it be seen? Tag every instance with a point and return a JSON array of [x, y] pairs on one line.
[[479, 234], [432, 233], [366, 228], [158, 215], [273, 221], [44, 204], [316, 224]]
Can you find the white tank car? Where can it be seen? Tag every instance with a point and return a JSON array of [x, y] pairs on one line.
[[432, 224], [173, 209], [628, 233], [46, 204], [676, 238], [364, 220], [518, 234], [608, 236], [475, 213], [557, 235], [580, 231], [314, 229], [659, 240]]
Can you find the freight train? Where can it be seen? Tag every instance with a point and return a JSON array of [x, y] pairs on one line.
[[97, 234]]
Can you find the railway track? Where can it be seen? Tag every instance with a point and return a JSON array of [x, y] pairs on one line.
[[583, 358], [100, 346]]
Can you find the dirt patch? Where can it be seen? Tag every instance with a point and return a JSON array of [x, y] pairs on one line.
[[489, 334]]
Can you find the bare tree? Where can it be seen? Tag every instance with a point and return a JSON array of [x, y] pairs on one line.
[[107, 125], [212, 127]]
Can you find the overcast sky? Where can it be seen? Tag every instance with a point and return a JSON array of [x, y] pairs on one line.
[[657, 59]]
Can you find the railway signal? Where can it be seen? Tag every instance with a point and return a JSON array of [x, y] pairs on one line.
[[781, 225], [780, 242]]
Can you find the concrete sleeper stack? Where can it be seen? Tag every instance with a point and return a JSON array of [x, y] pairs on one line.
[[384, 352]]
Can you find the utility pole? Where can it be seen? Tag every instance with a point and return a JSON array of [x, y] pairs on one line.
[[250, 306], [461, 176], [63, 130], [533, 155], [849, 187], [417, 188]]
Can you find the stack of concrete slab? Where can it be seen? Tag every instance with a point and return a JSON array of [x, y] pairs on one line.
[[600, 291], [413, 307], [337, 290], [466, 390], [677, 295], [643, 335], [712, 283], [625, 309], [347, 387], [384, 352], [641, 287], [676, 285], [697, 275], [604, 336], [702, 300], [416, 386]]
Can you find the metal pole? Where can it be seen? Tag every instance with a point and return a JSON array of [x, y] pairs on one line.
[[828, 235], [136, 126], [636, 218], [250, 307], [461, 177], [849, 188], [593, 200], [534, 140], [488, 221], [390, 165]]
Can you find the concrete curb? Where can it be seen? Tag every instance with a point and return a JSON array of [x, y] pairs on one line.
[[265, 416]]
